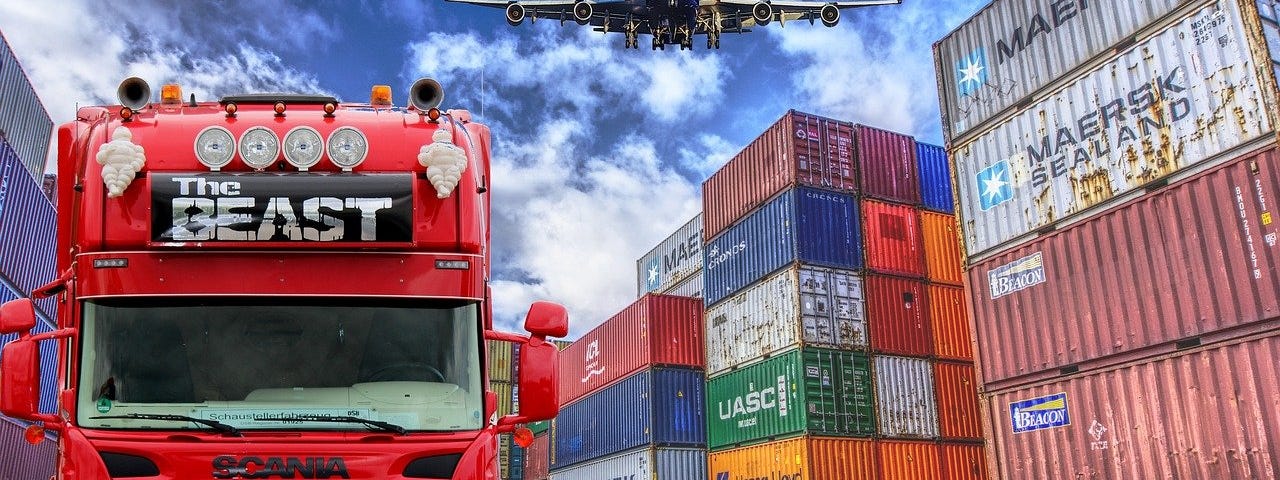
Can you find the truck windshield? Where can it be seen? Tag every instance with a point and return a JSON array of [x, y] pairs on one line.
[[254, 363]]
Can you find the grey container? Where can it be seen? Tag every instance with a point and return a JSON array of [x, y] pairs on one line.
[[673, 261], [644, 463]]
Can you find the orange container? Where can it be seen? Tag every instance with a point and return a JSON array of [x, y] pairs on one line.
[[942, 257], [909, 460], [798, 458], [963, 461], [952, 339], [958, 413]]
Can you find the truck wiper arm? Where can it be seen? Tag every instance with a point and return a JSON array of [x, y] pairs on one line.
[[216, 425], [390, 427]]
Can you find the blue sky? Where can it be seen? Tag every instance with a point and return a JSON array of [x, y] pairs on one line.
[[600, 152]]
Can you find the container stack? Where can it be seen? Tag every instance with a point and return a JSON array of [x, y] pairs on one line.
[[502, 361], [1117, 200], [826, 243], [632, 396]]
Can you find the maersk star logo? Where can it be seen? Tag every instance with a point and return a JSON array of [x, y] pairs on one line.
[[994, 186], [971, 72], [653, 275]]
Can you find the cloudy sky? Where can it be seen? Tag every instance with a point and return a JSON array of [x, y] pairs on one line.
[[600, 151]]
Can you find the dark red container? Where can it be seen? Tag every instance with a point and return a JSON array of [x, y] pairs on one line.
[[537, 458], [798, 149], [887, 165], [896, 314], [891, 235], [1196, 257], [655, 330]]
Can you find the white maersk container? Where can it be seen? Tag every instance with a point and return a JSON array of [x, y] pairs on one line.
[[1014, 48], [1194, 95], [645, 463], [906, 406], [673, 262], [799, 305]]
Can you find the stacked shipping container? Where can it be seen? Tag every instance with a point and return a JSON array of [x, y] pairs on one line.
[[674, 267], [1118, 223], [24, 123], [502, 362]]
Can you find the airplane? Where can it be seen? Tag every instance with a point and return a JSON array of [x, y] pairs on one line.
[[676, 22]]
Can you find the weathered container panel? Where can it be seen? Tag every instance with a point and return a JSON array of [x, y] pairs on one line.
[[22, 460], [801, 305], [963, 461], [935, 179], [655, 330], [646, 463], [499, 356], [1198, 256], [942, 255], [958, 414], [803, 224], [903, 460], [24, 123], [891, 233], [896, 316], [798, 149], [906, 406], [1181, 99], [691, 286], [537, 458], [949, 323], [1212, 412], [887, 165], [1014, 48], [673, 261], [799, 458]]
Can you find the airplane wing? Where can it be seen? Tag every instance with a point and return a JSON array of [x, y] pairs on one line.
[[750, 13]]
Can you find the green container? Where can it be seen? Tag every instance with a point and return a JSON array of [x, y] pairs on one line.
[[809, 390], [539, 426]]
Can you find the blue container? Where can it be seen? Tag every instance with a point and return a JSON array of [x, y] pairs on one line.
[[28, 226], [22, 460], [815, 227], [935, 178], [658, 406], [515, 462]]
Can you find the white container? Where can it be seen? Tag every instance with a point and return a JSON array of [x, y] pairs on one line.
[[674, 260], [801, 304], [906, 406], [646, 463], [691, 286], [1186, 99]]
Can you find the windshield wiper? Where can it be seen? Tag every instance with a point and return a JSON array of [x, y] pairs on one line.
[[216, 425], [389, 427]]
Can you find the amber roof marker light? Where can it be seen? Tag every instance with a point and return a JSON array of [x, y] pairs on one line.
[[380, 95]]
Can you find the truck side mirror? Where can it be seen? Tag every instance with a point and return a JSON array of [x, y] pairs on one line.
[[545, 319], [20, 379], [539, 374], [17, 316]]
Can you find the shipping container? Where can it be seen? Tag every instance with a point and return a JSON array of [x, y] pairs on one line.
[[891, 234], [1184, 99], [935, 179], [949, 323], [963, 461], [504, 456], [797, 458], [503, 390], [500, 356], [28, 234], [21, 460], [957, 389], [691, 286], [1211, 412], [537, 458], [809, 390], [811, 226], [644, 463], [909, 460], [24, 122], [515, 466], [906, 406], [897, 315], [674, 260], [655, 330], [539, 427], [1012, 49], [942, 255], [887, 165], [797, 150], [801, 305], [658, 406], [1195, 257]]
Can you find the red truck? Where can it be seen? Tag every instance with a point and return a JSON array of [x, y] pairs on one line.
[[274, 286]]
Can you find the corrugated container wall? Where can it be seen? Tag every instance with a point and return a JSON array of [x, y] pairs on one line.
[[935, 178], [655, 330], [690, 287], [887, 165], [812, 390], [1183, 98], [1213, 412], [645, 463], [957, 388], [500, 358], [1013, 48], [674, 260], [891, 234], [900, 460], [949, 323], [515, 466], [803, 224], [963, 461], [22, 460], [48, 356], [506, 398], [537, 458], [659, 406], [905, 403], [28, 230], [798, 149], [800, 305], [942, 255], [798, 458], [24, 123], [896, 316], [1195, 257]]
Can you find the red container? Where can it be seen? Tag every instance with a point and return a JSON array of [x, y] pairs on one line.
[[891, 235], [537, 458], [963, 461], [949, 323], [1196, 257], [896, 315], [887, 165], [909, 460], [798, 149], [942, 256], [1212, 412], [655, 330], [957, 388]]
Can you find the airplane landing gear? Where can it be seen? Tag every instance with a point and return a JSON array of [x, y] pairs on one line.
[[713, 40], [685, 35]]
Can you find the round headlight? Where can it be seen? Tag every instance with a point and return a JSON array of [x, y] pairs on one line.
[[303, 147], [215, 147], [259, 146], [347, 147]]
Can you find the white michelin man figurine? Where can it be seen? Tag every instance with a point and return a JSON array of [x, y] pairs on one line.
[[444, 161], [120, 160]]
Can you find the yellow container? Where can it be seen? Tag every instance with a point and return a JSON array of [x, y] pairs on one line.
[[499, 356], [798, 458]]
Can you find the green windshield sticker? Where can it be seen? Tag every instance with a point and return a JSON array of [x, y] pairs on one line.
[[104, 405]]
